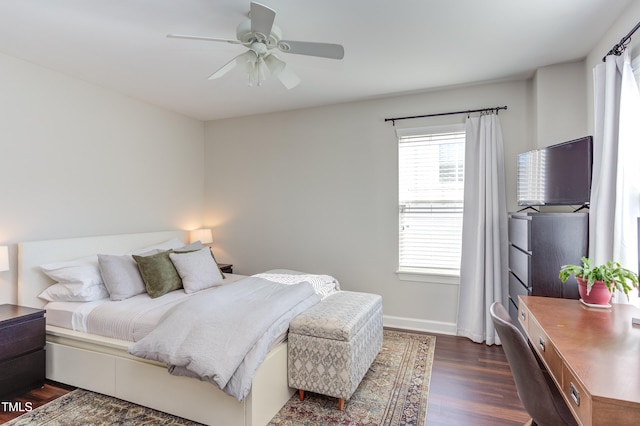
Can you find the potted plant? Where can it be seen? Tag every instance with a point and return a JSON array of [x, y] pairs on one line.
[[597, 283]]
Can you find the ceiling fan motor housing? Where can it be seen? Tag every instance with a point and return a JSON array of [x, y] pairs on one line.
[[247, 37]]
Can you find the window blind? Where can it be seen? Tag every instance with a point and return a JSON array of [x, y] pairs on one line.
[[431, 191]]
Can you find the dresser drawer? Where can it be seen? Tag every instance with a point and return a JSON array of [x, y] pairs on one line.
[[520, 232], [578, 400], [517, 288], [520, 265], [22, 337], [23, 373]]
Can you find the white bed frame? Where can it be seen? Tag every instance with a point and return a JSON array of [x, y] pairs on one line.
[[103, 365]]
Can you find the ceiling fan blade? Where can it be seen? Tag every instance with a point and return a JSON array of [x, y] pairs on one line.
[[247, 60], [261, 20], [224, 69], [190, 37], [323, 50]]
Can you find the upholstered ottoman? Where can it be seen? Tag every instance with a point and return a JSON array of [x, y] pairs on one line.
[[333, 344]]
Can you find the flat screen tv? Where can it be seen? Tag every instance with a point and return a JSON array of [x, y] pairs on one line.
[[556, 175]]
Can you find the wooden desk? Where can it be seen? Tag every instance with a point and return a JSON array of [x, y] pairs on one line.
[[592, 354]]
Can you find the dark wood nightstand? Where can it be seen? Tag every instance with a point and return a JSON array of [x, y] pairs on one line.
[[226, 268], [22, 356]]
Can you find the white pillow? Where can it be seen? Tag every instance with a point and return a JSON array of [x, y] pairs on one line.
[[84, 271], [197, 269], [73, 293]]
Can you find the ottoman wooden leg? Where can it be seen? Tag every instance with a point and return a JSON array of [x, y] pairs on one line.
[[341, 404], [301, 394]]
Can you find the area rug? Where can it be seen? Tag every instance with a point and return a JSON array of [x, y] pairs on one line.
[[82, 407], [393, 392]]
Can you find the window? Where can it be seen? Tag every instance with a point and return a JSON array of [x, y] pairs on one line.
[[431, 191]]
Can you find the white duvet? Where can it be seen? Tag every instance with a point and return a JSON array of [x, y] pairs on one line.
[[223, 336]]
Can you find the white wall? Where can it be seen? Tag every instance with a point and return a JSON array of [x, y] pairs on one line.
[[313, 189], [561, 103], [316, 190], [78, 160]]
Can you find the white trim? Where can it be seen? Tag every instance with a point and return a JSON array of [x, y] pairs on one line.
[[433, 276], [414, 131], [419, 325]]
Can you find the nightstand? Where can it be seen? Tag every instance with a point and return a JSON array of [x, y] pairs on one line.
[[22, 356], [226, 268]]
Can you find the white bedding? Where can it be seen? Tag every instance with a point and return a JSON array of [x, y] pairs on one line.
[[186, 330], [132, 319], [129, 319], [213, 339]]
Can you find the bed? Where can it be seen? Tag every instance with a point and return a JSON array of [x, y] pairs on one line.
[[103, 364]]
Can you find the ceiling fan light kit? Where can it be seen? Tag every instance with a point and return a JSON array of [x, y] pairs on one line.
[[260, 35]]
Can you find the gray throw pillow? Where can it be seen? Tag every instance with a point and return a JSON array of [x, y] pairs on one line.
[[121, 275], [197, 269]]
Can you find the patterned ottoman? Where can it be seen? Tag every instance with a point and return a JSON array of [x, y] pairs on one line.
[[332, 344]]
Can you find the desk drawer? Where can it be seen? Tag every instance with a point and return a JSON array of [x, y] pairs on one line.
[[579, 400], [543, 346], [523, 316]]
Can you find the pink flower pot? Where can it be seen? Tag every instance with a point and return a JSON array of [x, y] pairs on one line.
[[599, 294]]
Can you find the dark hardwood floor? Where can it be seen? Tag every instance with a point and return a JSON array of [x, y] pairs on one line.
[[471, 384], [14, 407]]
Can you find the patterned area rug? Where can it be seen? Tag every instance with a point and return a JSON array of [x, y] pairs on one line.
[[81, 407], [393, 392]]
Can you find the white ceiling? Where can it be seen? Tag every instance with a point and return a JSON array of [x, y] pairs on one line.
[[391, 47]]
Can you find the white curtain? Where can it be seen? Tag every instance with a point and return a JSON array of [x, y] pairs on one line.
[[615, 189], [483, 269]]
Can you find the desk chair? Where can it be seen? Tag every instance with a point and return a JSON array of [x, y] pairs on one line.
[[538, 394]]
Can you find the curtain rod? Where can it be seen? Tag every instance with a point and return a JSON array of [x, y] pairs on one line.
[[496, 109], [619, 48]]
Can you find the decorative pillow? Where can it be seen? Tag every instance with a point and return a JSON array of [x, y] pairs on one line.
[[158, 273], [121, 275], [198, 270], [73, 293]]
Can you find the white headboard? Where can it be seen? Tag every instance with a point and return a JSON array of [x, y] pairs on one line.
[[32, 281]]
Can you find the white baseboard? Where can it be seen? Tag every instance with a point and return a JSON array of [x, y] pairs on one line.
[[419, 325]]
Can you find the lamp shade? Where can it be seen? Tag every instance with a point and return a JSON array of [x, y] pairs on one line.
[[203, 235], [4, 258], [274, 64]]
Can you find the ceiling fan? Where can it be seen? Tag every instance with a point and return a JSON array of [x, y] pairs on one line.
[[260, 36]]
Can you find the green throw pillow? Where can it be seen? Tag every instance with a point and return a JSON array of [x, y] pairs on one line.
[[158, 273]]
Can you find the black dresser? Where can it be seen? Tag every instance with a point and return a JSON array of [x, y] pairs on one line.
[[539, 244], [22, 355]]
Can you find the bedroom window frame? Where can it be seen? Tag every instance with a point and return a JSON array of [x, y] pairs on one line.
[[419, 149]]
